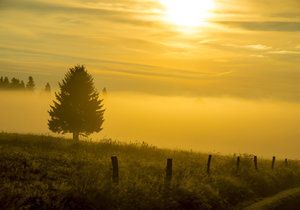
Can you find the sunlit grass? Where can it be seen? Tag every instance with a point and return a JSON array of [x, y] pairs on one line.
[[48, 172]]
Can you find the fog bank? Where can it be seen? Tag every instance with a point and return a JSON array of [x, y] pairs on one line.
[[226, 125]]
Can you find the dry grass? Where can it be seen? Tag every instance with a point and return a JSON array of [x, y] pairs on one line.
[[42, 172]]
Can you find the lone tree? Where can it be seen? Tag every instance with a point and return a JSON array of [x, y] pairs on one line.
[[104, 92], [47, 87], [77, 108], [30, 84]]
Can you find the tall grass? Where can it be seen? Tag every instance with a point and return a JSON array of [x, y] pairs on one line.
[[43, 172]]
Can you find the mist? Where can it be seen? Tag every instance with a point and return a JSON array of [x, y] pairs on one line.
[[223, 125]]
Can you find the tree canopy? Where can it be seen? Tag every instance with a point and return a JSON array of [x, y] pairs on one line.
[[77, 108], [47, 87], [30, 84], [16, 84]]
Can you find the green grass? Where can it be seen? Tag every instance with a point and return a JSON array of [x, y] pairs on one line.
[[43, 172]]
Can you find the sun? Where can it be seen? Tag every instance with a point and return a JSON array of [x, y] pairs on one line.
[[188, 13]]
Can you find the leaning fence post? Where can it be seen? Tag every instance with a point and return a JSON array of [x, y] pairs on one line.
[[238, 160], [273, 162], [255, 162], [169, 171], [115, 169], [208, 164]]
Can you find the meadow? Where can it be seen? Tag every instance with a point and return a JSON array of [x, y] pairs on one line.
[[44, 172]]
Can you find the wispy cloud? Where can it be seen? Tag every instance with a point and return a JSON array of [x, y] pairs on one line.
[[252, 47], [285, 52], [258, 47], [263, 25], [105, 11], [248, 50]]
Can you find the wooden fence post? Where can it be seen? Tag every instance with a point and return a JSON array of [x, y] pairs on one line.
[[208, 164], [115, 169], [169, 171], [238, 160], [255, 162], [286, 162], [273, 162]]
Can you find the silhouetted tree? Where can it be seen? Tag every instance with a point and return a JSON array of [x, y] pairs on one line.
[[13, 84], [1, 82], [47, 87], [16, 84], [104, 92], [30, 84], [6, 83], [77, 109], [22, 85]]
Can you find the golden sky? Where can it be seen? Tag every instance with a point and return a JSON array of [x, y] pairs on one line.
[[223, 75], [239, 48]]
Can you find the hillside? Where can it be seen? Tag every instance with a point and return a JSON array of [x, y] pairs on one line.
[[42, 172]]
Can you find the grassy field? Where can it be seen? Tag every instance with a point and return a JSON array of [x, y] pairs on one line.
[[286, 200], [42, 172]]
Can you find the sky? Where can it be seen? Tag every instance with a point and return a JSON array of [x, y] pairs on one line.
[[209, 75], [240, 48]]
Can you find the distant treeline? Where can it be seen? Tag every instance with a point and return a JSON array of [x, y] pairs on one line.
[[17, 84]]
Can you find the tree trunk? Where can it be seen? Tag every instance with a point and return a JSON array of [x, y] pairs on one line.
[[75, 136]]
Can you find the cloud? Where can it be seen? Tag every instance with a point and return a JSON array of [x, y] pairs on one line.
[[285, 52], [252, 47], [258, 47], [258, 56], [103, 11], [115, 67], [263, 25], [126, 45]]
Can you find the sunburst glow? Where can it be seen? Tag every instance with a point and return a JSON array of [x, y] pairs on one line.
[[188, 13]]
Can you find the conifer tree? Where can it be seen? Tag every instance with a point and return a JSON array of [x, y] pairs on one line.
[[47, 87], [1, 82], [77, 108], [104, 92], [15, 83], [22, 85], [6, 83], [30, 84]]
